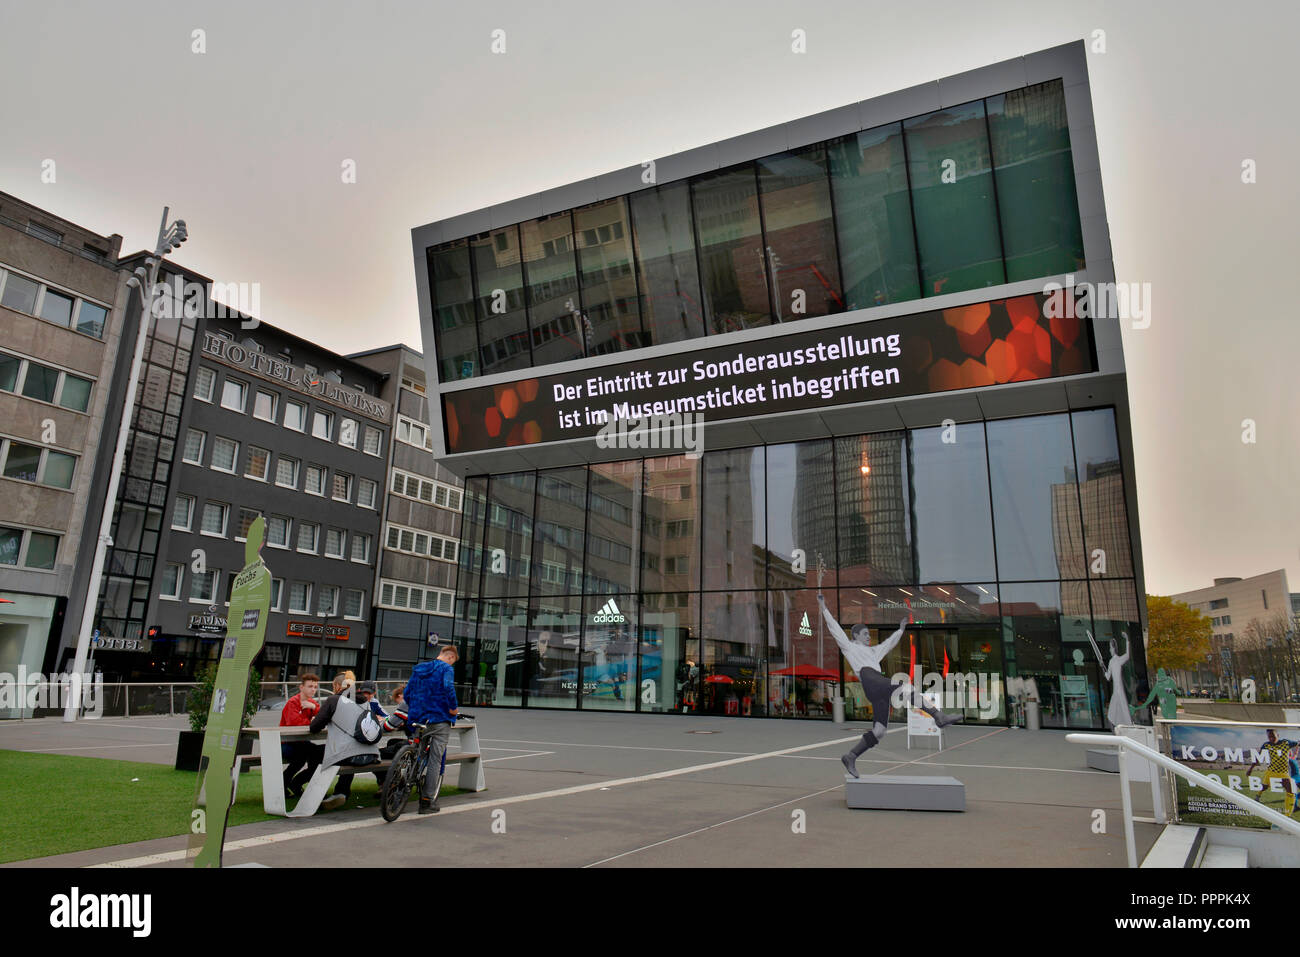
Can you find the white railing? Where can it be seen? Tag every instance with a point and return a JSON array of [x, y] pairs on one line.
[[1169, 764]]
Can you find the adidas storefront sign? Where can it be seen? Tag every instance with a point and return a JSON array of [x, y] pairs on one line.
[[608, 613], [805, 628]]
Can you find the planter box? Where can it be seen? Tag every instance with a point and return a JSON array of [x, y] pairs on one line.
[[189, 749]]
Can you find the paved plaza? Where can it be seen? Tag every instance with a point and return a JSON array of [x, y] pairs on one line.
[[618, 790]]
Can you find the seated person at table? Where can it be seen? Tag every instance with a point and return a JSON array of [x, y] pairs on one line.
[[338, 718], [303, 756]]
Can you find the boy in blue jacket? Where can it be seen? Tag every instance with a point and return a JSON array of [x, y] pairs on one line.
[[430, 698]]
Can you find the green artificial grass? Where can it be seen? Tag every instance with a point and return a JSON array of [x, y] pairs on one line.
[[57, 803]]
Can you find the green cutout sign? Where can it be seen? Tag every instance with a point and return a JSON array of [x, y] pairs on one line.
[[250, 602]]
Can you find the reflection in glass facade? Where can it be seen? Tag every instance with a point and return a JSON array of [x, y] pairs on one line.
[[969, 196], [690, 585]]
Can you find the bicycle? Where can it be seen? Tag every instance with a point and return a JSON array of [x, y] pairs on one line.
[[407, 771]]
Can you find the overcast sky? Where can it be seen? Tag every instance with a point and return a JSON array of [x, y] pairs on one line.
[[246, 142]]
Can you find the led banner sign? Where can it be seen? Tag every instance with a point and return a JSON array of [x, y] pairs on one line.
[[314, 629], [1006, 340]]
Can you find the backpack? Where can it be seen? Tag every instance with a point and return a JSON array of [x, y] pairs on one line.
[[367, 730]]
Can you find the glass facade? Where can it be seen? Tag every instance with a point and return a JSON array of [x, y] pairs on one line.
[[690, 585], [965, 197]]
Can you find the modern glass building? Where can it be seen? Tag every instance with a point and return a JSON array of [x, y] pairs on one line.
[[899, 403]]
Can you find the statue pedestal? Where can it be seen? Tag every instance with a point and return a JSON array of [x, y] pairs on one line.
[[905, 793]]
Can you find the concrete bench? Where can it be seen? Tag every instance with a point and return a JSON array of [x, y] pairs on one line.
[[905, 793]]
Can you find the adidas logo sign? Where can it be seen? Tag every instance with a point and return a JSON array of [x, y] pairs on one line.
[[609, 613], [804, 627]]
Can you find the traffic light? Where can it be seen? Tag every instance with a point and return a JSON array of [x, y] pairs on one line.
[[154, 632]]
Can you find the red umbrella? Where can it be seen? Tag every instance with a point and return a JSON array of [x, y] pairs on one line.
[[720, 679]]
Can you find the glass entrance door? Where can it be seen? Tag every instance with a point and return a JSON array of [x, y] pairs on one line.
[[968, 660]]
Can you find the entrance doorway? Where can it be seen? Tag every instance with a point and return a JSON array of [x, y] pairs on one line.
[[968, 659]]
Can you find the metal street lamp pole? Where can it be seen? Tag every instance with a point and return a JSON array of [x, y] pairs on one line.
[[169, 238]]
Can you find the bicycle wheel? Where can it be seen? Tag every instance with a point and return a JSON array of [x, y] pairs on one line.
[[397, 785]]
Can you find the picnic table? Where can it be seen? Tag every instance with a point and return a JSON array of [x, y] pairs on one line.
[[268, 744]]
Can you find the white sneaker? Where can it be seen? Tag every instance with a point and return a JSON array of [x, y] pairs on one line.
[[334, 801]]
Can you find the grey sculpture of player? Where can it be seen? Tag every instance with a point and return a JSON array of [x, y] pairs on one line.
[[1118, 713]]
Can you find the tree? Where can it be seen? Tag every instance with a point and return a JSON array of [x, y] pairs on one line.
[[1178, 636]]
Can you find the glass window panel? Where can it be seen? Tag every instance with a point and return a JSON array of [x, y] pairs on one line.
[[91, 319], [286, 472], [295, 416], [501, 639], [803, 658], [732, 261], [1101, 493], [670, 561], [366, 492], [57, 308], [800, 234], [553, 653], [342, 489], [182, 512], [669, 647], [952, 200], [352, 601], [348, 433], [264, 405], [360, 547], [558, 531], [609, 294], [315, 483], [613, 525], [40, 382], [299, 596], [214, 518], [667, 270], [334, 542], [322, 425], [277, 590], [552, 283], [224, 453], [734, 520], [453, 310], [246, 518], [194, 441], [509, 534], [609, 654], [277, 531], [233, 394], [873, 214], [23, 462], [9, 372], [41, 551], [327, 600], [733, 672], [874, 531], [1035, 501], [307, 532], [75, 393], [951, 516], [372, 441], [19, 293], [203, 586], [258, 462], [800, 511], [1043, 639], [1035, 182], [59, 467], [171, 581], [502, 315], [472, 527], [11, 543]]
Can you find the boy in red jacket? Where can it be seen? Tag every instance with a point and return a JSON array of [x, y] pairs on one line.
[[303, 756]]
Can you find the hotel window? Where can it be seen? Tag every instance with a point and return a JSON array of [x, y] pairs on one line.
[[277, 531], [247, 516], [334, 543], [315, 480], [264, 404], [308, 532], [203, 587], [367, 489], [171, 582], [322, 425], [373, 441], [234, 394], [183, 513], [353, 600], [277, 592], [295, 416], [194, 443], [225, 452], [327, 600], [348, 433], [286, 472], [204, 383], [342, 487], [214, 519], [259, 461], [360, 547], [300, 598]]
